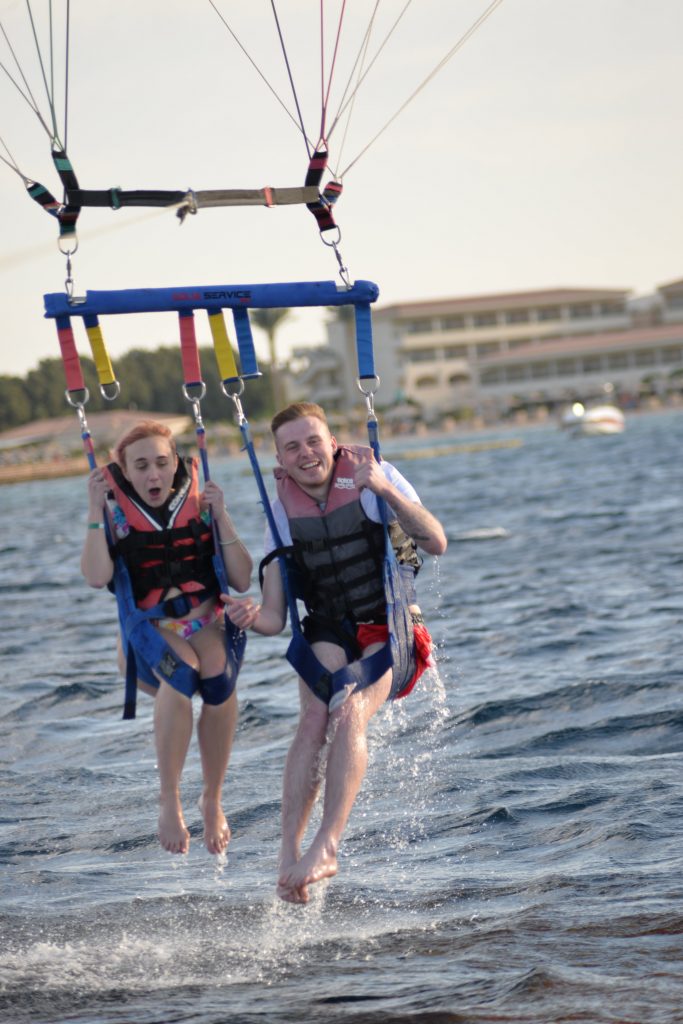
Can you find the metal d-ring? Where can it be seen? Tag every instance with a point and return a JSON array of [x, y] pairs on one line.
[[114, 394]]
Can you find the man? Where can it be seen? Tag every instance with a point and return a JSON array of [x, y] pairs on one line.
[[327, 511]]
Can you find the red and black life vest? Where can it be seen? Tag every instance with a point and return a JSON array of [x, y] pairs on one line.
[[165, 549], [339, 550]]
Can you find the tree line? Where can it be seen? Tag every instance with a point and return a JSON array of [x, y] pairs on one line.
[[150, 381]]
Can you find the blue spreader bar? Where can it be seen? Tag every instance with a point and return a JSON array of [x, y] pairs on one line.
[[241, 296]]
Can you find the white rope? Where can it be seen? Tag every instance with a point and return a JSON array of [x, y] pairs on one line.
[[55, 132], [451, 53], [27, 96]]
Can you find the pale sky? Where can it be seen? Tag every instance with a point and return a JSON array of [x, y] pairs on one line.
[[547, 153]]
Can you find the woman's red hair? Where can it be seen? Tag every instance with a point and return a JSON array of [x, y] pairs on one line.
[[146, 428]]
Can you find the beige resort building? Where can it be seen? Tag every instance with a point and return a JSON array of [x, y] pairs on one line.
[[489, 355]]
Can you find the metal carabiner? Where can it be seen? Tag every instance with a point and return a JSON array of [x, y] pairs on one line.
[[369, 393], [334, 245]]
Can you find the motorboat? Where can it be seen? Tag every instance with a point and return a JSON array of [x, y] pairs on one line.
[[597, 419]]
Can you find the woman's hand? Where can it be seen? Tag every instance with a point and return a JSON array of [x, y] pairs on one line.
[[97, 492], [242, 611], [213, 499]]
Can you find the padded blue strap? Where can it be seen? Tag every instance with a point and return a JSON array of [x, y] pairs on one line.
[[325, 684], [245, 343], [265, 504], [366, 359]]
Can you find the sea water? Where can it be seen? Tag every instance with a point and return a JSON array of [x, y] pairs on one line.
[[515, 852]]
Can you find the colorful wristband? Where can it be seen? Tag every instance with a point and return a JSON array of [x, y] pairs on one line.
[[95, 526]]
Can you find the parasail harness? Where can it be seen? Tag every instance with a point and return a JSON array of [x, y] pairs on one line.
[[397, 653], [142, 642]]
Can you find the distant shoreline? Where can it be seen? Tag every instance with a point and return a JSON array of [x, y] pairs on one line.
[[433, 443], [22, 472]]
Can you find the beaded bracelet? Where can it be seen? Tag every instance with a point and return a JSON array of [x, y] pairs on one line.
[[95, 526]]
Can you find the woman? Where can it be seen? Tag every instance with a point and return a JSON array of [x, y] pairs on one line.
[[163, 537]]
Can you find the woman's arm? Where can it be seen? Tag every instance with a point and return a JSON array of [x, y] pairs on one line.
[[236, 558], [96, 564]]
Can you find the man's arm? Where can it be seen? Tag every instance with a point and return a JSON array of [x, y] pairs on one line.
[[267, 618], [413, 518]]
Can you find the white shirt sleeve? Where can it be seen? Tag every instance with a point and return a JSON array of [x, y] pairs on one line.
[[369, 500]]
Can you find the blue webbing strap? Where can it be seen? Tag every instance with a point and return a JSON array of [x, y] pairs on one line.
[[141, 638], [265, 504], [217, 558], [399, 620], [364, 350], [245, 343]]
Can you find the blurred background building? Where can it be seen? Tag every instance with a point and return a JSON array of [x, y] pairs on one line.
[[487, 357]]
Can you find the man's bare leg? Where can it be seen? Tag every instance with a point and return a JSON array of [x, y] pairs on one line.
[[215, 732], [346, 765], [172, 732], [300, 786]]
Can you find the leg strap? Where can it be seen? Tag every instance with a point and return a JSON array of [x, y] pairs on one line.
[[217, 689]]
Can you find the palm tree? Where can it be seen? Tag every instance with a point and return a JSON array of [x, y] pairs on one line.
[[269, 320]]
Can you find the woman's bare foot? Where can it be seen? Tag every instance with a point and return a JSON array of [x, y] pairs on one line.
[[173, 834], [216, 828]]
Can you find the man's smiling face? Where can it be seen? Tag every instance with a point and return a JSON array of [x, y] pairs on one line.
[[305, 449]]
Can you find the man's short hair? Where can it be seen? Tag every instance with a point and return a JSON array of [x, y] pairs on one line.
[[297, 411]]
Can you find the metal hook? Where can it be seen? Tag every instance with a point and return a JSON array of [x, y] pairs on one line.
[[239, 412], [369, 393], [69, 282], [334, 244]]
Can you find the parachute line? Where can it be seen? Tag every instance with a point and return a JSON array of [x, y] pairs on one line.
[[55, 132], [359, 65], [291, 79], [365, 45], [325, 93], [27, 96], [11, 163], [260, 73], [66, 72], [451, 53]]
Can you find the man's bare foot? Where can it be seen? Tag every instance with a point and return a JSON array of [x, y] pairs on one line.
[[320, 861], [216, 828], [173, 834], [293, 895]]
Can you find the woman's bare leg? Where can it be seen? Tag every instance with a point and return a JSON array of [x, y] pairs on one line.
[[215, 732], [172, 732]]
